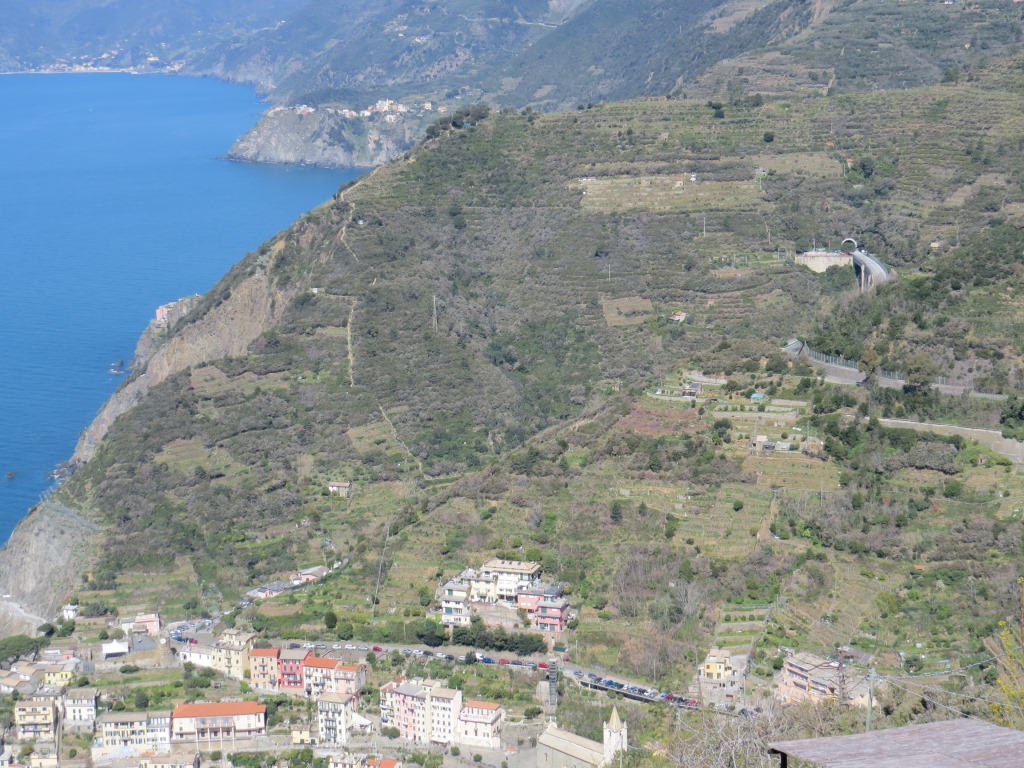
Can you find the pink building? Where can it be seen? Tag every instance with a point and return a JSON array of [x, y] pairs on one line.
[[331, 676], [547, 608], [290, 663], [265, 668]]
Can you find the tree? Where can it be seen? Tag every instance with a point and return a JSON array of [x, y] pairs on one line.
[[768, 137], [920, 372], [869, 364], [344, 630], [330, 619]]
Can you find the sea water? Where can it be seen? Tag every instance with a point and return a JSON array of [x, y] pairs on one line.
[[114, 199]]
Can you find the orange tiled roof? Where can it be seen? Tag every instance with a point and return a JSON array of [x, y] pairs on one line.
[[219, 709], [275, 652], [316, 661], [481, 704]]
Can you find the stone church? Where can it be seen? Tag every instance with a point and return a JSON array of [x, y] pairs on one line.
[[561, 749]]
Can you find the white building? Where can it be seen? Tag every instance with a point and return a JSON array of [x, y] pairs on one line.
[[501, 580], [454, 597], [80, 709], [445, 707], [479, 724], [334, 716]]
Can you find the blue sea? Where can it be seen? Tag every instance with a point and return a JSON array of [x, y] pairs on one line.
[[114, 199]]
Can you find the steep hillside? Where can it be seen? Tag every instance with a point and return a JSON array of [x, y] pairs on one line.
[[481, 337]]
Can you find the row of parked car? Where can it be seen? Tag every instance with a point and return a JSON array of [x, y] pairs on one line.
[[653, 694]]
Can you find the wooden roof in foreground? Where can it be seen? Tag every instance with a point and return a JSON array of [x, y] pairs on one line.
[[949, 744]]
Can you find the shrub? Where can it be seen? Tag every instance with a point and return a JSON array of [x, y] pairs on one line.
[[455, 751], [478, 758]]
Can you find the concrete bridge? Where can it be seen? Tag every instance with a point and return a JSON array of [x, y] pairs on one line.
[[870, 271]]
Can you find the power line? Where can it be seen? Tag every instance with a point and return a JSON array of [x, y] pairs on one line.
[[957, 712], [954, 671]]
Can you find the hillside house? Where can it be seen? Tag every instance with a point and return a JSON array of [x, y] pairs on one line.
[[501, 580], [808, 677], [720, 679], [340, 488], [218, 723], [310, 575], [454, 599]]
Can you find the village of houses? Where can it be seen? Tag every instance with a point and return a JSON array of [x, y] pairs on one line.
[[344, 723]]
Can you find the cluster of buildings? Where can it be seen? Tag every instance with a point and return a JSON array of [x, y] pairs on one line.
[[203, 725], [299, 579], [805, 677], [294, 671], [45, 714], [425, 712], [389, 109], [28, 677], [514, 584]]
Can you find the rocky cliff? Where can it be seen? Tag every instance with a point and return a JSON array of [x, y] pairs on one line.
[[42, 563], [323, 137], [228, 328]]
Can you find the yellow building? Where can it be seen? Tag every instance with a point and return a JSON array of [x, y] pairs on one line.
[[36, 718], [231, 653]]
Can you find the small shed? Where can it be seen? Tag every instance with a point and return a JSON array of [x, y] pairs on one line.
[[960, 743], [340, 488], [115, 649]]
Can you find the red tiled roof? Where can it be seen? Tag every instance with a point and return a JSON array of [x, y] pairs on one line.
[[316, 661], [219, 709], [481, 704], [275, 652]]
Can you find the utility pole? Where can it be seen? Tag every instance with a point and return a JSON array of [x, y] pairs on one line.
[[435, 313], [871, 698]]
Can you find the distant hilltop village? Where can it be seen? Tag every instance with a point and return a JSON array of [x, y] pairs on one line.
[[391, 110]]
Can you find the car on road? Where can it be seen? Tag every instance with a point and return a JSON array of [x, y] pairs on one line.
[[417, 652], [503, 661], [543, 665], [336, 647], [294, 645], [321, 645], [349, 647], [376, 649], [462, 657], [445, 656], [578, 673], [487, 660], [363, 648], [309, 645], [405, 652]]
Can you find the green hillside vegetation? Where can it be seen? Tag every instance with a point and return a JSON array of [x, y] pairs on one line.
[[479, 337]]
